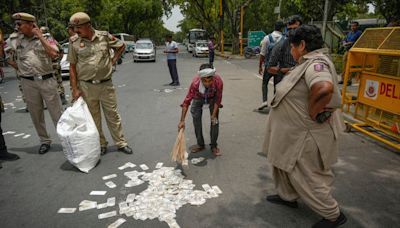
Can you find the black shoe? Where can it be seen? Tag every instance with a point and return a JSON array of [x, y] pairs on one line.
[[172, 83], [324, 223], [103, 150], [26, 109], [278, 200], [176, 84], [44, 148], [8, 156], [126, 150], [340, 82]]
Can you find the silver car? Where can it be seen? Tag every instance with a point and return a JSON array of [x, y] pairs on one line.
[[144, 51], [64, 62]]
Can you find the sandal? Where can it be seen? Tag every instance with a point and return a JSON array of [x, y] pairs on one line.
[[216, 151], [196, 148]]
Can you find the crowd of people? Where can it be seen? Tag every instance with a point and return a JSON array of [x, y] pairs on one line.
[[303, 109]]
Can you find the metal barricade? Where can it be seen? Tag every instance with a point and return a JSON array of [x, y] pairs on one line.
[[373, 96]]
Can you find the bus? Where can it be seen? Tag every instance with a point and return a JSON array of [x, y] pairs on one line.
[[129, 41], [195, 35]]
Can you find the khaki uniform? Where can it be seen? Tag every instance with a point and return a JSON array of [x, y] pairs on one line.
[[94, 71], [11, 54], [301, 150], [33, 61]]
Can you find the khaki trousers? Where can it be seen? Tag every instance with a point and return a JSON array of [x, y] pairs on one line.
[[35, 92], [103, 95], [309, 182]]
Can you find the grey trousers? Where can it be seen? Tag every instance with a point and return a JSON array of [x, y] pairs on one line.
[[197, 113], [172, 70]]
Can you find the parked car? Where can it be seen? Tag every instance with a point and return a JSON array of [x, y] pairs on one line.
[[64, 62], [200, 49], [144, 51]]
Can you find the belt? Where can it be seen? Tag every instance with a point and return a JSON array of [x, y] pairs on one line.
[[40, 77], [97, 81]]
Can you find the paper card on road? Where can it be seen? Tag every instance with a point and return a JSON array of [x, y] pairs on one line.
[[66, 210], [111, 202], [117, 223], [130, 198], [144, 167], [102, 205], [98, 193], [107, 215], [159, 165], [109, 176], [217, 189], [127, 165], [86, 205], [206, 187], [111, 184]]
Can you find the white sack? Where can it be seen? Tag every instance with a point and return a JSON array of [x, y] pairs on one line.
[[79, 136]]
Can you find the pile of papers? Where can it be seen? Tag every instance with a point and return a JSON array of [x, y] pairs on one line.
[[167, 191]]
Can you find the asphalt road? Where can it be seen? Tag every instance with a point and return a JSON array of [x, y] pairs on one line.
[[32, 189]]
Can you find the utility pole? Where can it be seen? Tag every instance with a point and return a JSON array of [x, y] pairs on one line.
[[279, 14], [241, 29], [325, 18], [45, 13], [221, 18]]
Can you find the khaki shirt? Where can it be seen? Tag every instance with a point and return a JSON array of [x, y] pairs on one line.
[[290, 128], [93, 57], [30, 55]]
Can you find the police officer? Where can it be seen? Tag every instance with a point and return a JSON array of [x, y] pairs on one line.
[[90, 76], [56, 65], [34, 55]]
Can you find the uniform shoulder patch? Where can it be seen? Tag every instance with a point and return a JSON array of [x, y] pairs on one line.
[[318, 67], [104, 33], [14, 35]]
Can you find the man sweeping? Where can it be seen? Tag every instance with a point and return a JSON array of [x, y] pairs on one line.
[[205, 89]]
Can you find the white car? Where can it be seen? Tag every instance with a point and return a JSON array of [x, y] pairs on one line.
[[144, 51], [64, 62], [200, 49]]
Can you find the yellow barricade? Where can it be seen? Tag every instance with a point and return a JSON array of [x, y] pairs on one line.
[[372, 95]]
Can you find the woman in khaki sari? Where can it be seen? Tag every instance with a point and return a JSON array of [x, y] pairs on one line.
[[302, 129]]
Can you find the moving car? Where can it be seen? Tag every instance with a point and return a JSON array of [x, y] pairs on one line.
[[64, 62], [200, 49], [144, 51]]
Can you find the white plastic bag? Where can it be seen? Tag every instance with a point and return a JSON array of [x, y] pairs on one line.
[[79, 136]]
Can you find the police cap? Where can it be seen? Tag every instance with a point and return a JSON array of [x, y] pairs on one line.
[[24, 17], [79, 19]]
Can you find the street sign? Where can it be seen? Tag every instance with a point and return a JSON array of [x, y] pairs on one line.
[[254, 38]]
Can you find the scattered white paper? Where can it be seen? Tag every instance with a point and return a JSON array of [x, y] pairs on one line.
[[111, 202], [217, 189], [111, 184], [195, 161], [66, 210], [102, 205], [159, 165], [144, 167], [18, 135], [107, 215], [87, 204], [26, 136], [98, 193], [117, 223], [127, 165], [109, 176], [9, 133]]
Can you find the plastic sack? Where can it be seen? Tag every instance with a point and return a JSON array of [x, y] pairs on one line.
[[79, 136], [179, 153]]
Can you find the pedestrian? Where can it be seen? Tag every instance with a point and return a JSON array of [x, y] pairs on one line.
[[205, 90], [91, 73], [171, 51], [347, 43], [302, 129], [267, 44], [34, 55], [4, 154], [281, 59], [56, 65], [211, 50]]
